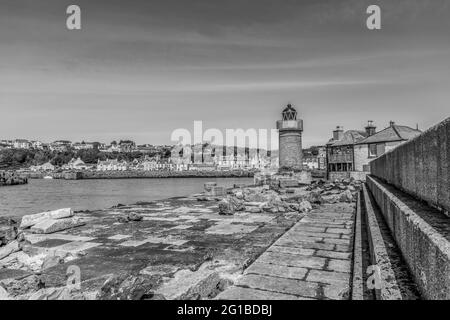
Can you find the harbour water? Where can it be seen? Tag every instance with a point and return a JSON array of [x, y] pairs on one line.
[[41, 195]]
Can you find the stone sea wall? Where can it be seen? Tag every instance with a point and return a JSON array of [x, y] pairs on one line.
[[11, 178], [420, 167]]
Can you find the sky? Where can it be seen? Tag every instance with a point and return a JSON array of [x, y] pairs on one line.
[[141, 69]]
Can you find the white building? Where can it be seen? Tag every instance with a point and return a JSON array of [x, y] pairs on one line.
[[22, 144], [83, 145], [112, 165], [75, 164]]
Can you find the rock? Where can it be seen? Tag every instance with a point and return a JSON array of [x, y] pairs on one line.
[[239, 195], [60, 293], [4, 295], [252, 204], [346, 196], [304, 206], [351, 188], [127, 287], [33, 219], [11, 247], [314, 197], [54, 225], [255, 197], [288, 183], [253, 209], [209, 185], [237, 203], [133, 216], [7, 234], [123, 219], [329, 192], [23, 286], [226, 207], [294, 206], [51, 261], [331, 198]]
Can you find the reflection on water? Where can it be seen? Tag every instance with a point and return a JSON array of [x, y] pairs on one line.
[[41, 195]]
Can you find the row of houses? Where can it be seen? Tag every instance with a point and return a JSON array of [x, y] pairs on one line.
[[155, 164]]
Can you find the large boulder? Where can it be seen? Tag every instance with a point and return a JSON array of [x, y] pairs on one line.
[[346, 196], [54, 225], [255, 197], [305, 206], [33, 219], [314, 197], [128, 287], [27, 285], [11, 247], [226, 207], [331, 198], [7, 234], [230, 205]]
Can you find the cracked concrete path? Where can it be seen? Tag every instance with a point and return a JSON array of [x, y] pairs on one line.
[[310, 261]]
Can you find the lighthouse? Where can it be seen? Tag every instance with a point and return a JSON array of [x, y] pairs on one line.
[[290, 140]]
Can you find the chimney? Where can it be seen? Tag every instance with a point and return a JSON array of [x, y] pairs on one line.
[[391, 123], [338, 134], [370, 128]]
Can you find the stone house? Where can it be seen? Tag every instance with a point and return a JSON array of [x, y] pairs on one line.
[[349, 153]]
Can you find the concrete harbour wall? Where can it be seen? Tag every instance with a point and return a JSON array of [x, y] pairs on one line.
[[420, 167], [422, 233]]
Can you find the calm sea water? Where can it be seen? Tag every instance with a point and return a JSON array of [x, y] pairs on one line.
[[41, 195]]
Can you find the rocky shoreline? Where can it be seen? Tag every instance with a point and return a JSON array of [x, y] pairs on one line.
[[180, 248], [11, 178]]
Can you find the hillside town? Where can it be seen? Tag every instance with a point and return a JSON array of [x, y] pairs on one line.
[[126, 155]]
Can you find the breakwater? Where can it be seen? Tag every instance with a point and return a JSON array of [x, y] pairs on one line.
[[11, 178]]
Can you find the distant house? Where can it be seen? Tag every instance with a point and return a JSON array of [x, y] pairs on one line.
[[112, 165], [149, 165], [127, 146], [83, 145], [44, 167], [38, 145], [349, 153], [22, 144], [60, 145], [76, 164]]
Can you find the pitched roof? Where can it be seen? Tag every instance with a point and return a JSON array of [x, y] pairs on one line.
[[350, 137], [392, 133]]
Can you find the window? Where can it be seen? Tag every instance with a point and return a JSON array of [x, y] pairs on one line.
[[372, 150]]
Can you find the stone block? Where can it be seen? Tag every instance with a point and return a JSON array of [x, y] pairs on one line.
[[54, 225], [32, 219]]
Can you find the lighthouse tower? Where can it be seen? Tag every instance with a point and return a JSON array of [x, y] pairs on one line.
[[290, 140]]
